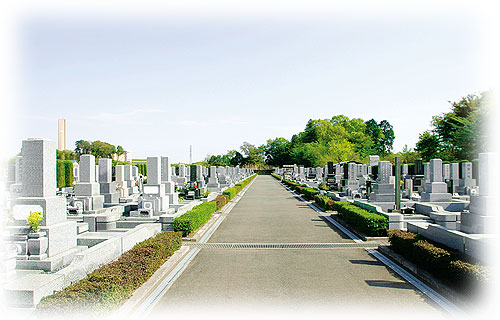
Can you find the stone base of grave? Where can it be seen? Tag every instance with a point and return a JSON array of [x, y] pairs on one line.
[[180, 180], [101, 222], [382, 197], [50, 264], [146, 213], [155, 203], [56, 205], [173, 198], [133, 190], [436, 197], [478, 224], [61, 236], [467, 182], [111, 197], [107, 187], [90, 203], [479, 204], [87, 189], [30, 289]]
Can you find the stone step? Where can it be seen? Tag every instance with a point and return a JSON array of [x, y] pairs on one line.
[[131, 224], [75, 217], [51, 263], [82, 227]]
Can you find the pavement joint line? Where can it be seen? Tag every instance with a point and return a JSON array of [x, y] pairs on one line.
[[152, 300], [418, 284]]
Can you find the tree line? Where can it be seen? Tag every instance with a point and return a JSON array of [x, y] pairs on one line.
[[456, 135]]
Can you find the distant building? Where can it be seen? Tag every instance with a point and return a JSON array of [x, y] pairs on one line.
[[61, 134]]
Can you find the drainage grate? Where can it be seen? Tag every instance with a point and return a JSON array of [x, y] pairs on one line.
[[282, 245]]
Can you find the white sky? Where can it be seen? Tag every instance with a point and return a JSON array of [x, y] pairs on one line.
[[158, 79]]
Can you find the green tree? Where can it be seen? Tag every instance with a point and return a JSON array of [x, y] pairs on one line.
[[237, 160], [428, 145], [458, 134], [277, 152], [385, 145], [83, 147], [253, 154], [407, 155], [102, 149]]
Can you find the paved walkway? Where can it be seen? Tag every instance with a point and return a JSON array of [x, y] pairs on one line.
[[287, 280]]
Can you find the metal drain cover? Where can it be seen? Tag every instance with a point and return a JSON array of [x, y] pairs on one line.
[[282, 245]]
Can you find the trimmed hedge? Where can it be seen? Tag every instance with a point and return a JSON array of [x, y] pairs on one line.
[[194, 218], [369, 223], [292, 185], [442, 262], [323, 186], [68, 173], [231, 192], [308, 193], [142, 168], [221, 201], [324, 202], [60, 174], [110, 285]]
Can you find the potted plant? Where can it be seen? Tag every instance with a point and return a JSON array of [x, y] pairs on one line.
[[37, 241]]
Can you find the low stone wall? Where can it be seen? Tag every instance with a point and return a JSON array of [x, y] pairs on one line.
[[28, 290], [473, 245], [395, 219]]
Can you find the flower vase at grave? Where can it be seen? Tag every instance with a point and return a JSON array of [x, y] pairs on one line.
[[37, 245]]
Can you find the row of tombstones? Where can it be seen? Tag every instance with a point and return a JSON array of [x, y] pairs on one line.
[[351, 176]]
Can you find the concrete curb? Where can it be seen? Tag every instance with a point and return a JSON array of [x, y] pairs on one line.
[[425, 276]]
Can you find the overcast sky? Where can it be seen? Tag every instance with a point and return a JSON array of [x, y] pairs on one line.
[[157, 83]]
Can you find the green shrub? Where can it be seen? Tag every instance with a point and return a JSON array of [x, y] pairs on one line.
[[466, 274], [221, 201], [442, 262], [231, 192], [142, 168], [402, 241], [323, 186], [369, 223], [68, 173], [105, 288], [194, 218], [60, 173], [431, 257], [309, 193], [324, 202]]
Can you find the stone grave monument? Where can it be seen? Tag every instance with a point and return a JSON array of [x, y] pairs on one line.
[[87, 191], [107, 186], [482, 217], [383, 190], [436, 190], [52, 247], [166, 179]]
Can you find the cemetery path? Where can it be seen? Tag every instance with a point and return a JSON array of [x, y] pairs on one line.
[[286, 280]]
